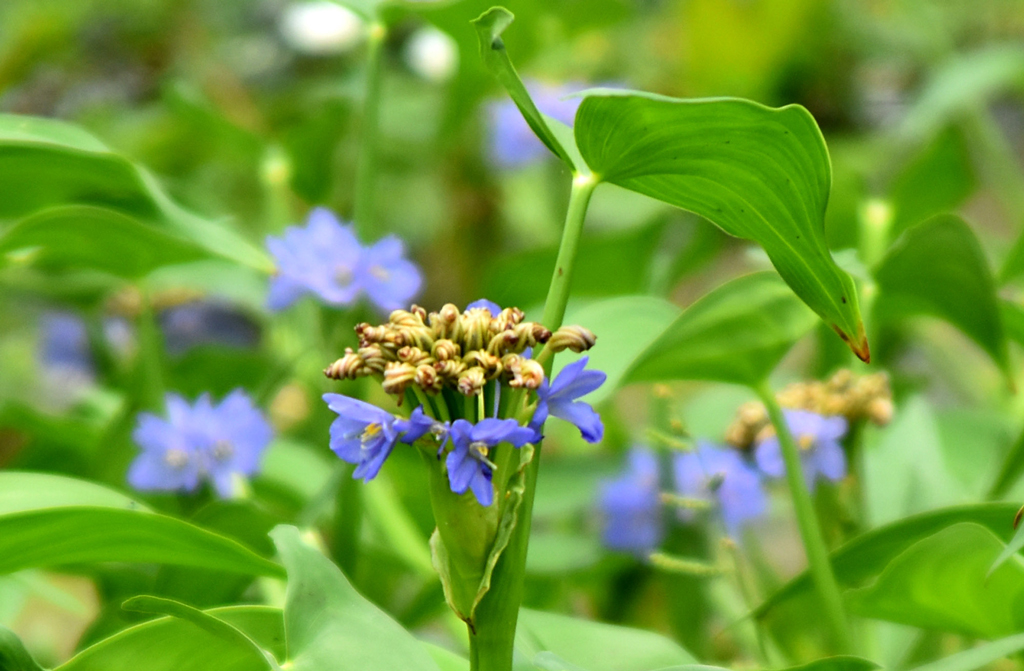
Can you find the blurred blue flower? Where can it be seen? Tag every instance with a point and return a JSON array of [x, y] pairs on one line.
[[512, 142], [559, 399], [720, 476], [206, 322], [491, 306], [363, 434], [324, 258], [818, 438], [199, 442], [64, 346], [630, 506], [469, 466]]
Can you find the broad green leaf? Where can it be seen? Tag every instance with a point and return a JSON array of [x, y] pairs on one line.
[[625, 327], [867, 555], [557, 552], [174, 644], [86, 236], [49, 520], [943, 582], [489, 26], [549, 661], [13, 655], [445, 659], [737, 333], [330, 625], [595, 646], [938, 268], [758, 173], [47, 167], [977, 657], [247, 649]]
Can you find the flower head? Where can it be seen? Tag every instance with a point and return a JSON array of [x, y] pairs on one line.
[[720, 476], [513, 143], [420, 424], [559, 399], [468, 463], [324, 258], [631, 506], [199, 442], [362, 434], [818, 438]]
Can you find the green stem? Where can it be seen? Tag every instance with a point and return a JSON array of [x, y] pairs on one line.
[[348, 520], [366, 171], [807, 521], [558, 292], [151, 357]]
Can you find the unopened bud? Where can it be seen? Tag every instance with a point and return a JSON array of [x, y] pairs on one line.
[[526, 373], [450, 370], [490, 364], [503, 342], [531, 334], [575, 338], [472, 381], [374, 357], [427, 378], [347, 367], [405, 318], [476, 328], [446, 322], [413, 355], [444, 350], [369, 335], [397, 377], [508, 318]]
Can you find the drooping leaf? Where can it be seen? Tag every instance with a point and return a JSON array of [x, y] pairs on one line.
[[867, 555], [246, 648], [943, 582], [330, 625], [938, 268], [13, 655], [174, 644], [758, 173], [595, 646], [489, 26], [55, 178], [737, 333], [1012, 548], [625, 327], [49, 520]]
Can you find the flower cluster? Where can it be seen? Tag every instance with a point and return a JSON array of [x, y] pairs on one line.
[[449, 349], [818, 438], [456, 368], [706, 477], [218, 443], [325, 258], [856, 398]]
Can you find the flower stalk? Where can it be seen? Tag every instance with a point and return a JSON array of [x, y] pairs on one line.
[[810, 530], [364, 209]]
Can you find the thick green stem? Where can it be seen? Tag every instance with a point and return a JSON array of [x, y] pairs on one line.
[[807, 521], [366, 175], [558, 292]]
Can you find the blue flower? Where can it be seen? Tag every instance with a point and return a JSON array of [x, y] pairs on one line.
[[559, 399], [324, 258], [418, 425], [363, 434], [65, 347], [469, 466], [721, 476], [818, 438], [207, 322], [491, 306], [631, 506], [199, 442], [512, 143]]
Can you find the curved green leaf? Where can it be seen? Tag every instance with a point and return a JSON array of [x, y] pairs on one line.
[[938, 268], [50, 520], [13, 655], [867, 555], [248, 649], [328, 622], [975, 658], [942, 582], [174, 644], [596, 646], [51, 165], [737, 333], [758, 173]]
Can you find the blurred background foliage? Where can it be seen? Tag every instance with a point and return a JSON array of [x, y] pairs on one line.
[[243, 118]]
